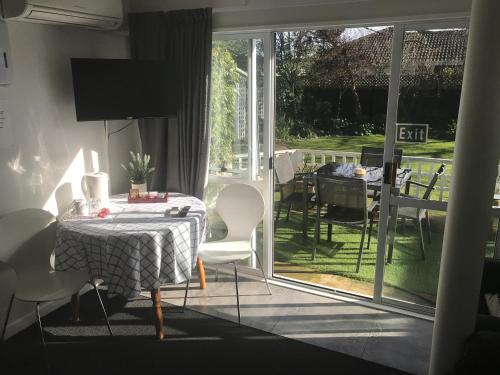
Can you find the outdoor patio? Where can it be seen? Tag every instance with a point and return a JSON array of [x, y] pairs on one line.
[[408, 277]]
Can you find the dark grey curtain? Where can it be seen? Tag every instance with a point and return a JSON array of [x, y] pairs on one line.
[[178, 146]]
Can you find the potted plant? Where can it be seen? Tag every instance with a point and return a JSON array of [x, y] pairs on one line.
[[138, 171]]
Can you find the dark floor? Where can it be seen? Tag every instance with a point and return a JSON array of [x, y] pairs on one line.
[[195, 343]]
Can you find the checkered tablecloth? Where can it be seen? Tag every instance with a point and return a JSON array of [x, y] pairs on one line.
[[136, 246]]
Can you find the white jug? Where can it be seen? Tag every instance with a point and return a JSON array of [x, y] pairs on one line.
[[96, 186]]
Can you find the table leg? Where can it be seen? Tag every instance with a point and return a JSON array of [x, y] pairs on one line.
[[392, 231], [305, 211], [497, 242], [201, 273], [75, 307], [156, 298]]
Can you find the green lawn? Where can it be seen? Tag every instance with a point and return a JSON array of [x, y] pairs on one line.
[[434, 148], [407, 271]]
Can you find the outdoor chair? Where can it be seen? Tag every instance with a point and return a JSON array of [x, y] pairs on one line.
[[287, 182], [346, 205], [241, 207], [418, 215], [374, 156]]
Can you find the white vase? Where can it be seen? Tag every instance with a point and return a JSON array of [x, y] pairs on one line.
[[143, 188]]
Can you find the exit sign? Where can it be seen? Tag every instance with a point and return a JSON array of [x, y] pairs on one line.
[[412, 133]]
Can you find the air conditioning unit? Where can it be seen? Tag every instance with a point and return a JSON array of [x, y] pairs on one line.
[[95, 14]]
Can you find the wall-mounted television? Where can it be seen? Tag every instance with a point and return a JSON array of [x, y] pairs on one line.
[[116, 89]]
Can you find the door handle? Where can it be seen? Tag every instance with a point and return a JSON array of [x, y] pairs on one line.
[[390, 173]]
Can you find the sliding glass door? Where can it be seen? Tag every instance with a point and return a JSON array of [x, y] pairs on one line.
[[331, 100], [427, 78], [287, 103]]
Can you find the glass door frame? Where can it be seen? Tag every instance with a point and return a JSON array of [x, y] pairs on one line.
[[268, 136], [388, 200], [267, 36]]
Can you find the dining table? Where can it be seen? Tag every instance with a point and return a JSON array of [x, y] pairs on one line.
[[373, 176], [134, 247]]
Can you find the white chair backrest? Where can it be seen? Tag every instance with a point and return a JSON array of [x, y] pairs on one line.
[[242, 208], [284, 168], [27, 239]]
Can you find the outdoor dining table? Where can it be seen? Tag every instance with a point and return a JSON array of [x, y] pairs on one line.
[[374, 179], [136, 246]]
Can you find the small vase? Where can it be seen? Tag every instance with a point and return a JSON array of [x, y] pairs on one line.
[[143, 188]]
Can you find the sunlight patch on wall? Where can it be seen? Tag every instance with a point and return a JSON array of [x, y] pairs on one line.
[[15, 164], [68, 187]]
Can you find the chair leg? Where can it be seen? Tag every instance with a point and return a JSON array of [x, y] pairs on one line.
[[42, 338], [360, 254], [277, 217], [237, 293], [102, 307], [330, 226], [263, 273], [316, 238], [216, 274], [7, 318], [422, 249], [185, 295], [370, 231], [288, 212], [428, 226]]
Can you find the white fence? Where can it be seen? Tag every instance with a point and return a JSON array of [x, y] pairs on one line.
[[422, 168]]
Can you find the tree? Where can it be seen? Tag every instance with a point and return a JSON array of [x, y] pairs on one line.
[[340, 63], [223, 104], [294, 53]]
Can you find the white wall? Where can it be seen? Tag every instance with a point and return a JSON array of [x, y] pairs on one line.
[[48, 146], [275, 14], [49, 150]]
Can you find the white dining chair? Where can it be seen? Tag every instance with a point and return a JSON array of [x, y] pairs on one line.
[[8, 283], [27, 239], [242, 208]]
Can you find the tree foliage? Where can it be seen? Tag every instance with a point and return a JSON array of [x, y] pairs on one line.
[[333, 82], [295, 51], [223, 104]]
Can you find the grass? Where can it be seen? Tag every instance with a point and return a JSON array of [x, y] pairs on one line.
[[407, 272], [434, 148]]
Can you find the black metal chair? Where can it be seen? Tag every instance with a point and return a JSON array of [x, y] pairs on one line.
[[415, 214], [346, 205], [374, 156], [287, 184]]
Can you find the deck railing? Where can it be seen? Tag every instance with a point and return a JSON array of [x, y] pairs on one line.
[[422, 168]]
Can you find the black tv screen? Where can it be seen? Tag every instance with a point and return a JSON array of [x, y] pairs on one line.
[[115, 89]]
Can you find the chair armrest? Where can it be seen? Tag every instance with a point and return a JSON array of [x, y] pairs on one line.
[[418, 184], [375, 205]]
